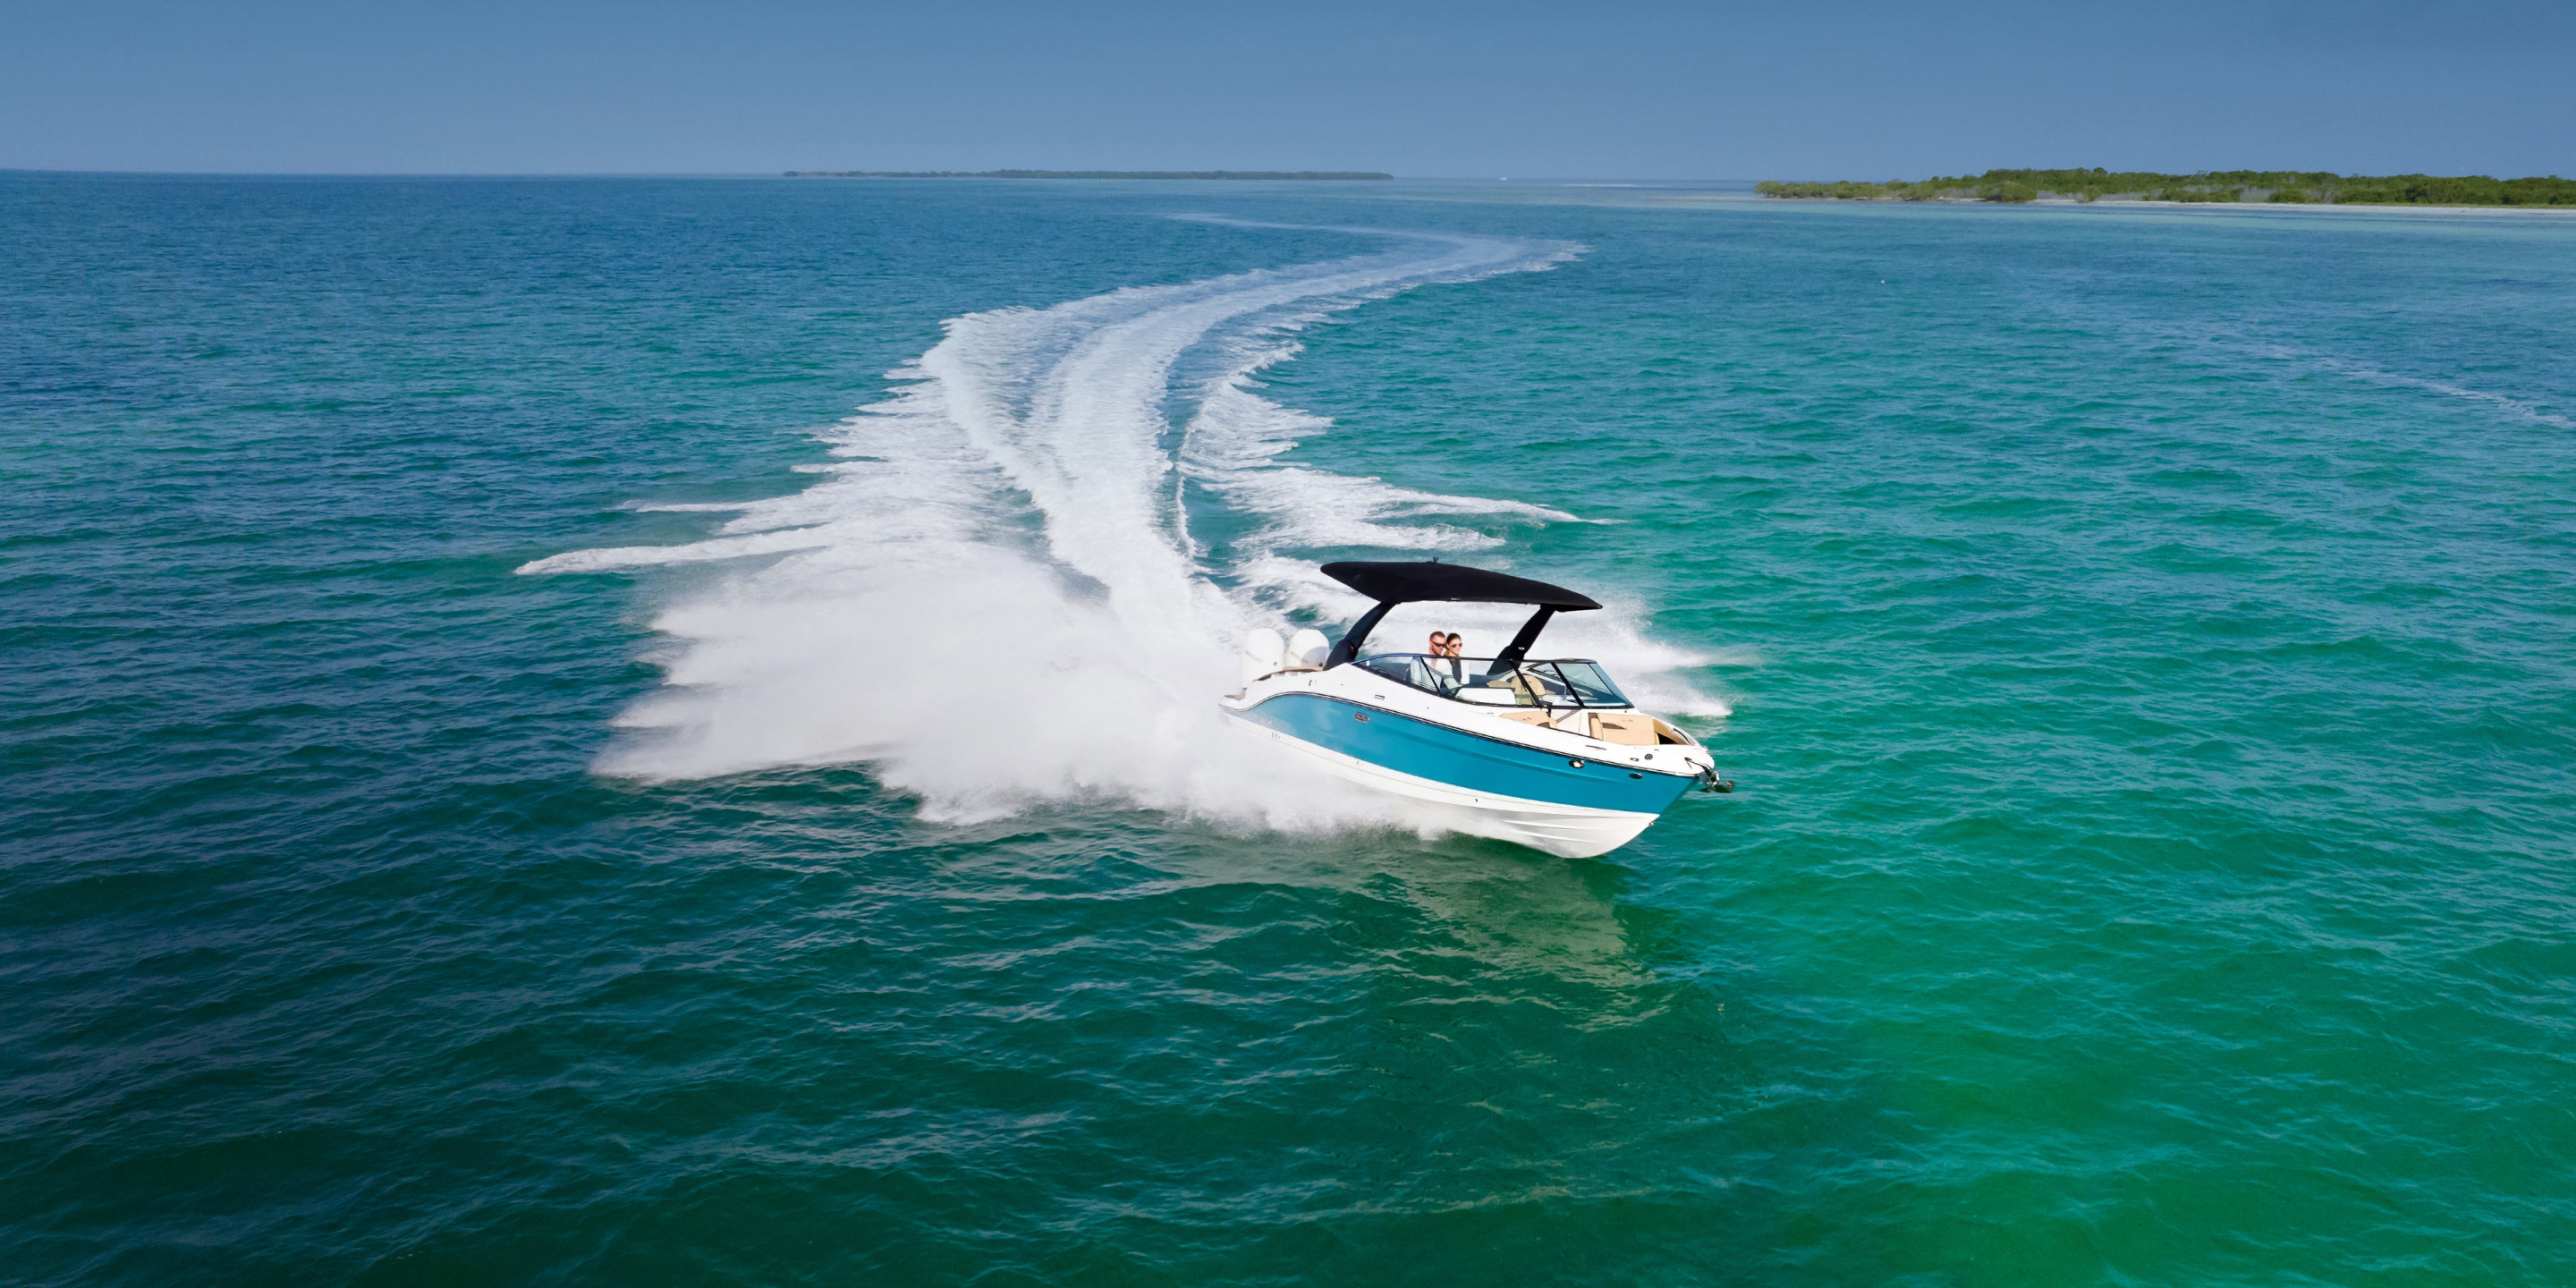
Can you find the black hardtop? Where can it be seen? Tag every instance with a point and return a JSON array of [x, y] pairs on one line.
[[1403, 583]]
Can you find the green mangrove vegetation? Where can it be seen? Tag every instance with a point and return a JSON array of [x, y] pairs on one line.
[[1087, 174], [2293, 187]]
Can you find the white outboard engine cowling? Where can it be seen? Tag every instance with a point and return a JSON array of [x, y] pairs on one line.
[[1308, 648], [1263, 652]]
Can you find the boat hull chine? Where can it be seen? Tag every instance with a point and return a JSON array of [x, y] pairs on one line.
[[1563, 805]]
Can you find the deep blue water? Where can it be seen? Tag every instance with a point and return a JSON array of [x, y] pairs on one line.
[[2143, 638]]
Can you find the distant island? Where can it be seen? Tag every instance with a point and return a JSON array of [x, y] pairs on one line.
[[2283, 187], [1087, 174]]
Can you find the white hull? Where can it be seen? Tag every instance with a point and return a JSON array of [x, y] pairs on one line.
[[1569, 831]]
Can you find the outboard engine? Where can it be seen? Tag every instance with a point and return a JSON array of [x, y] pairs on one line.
[[1262, 653], [1308, 648]]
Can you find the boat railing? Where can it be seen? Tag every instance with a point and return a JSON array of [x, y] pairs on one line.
[[1483, 681]]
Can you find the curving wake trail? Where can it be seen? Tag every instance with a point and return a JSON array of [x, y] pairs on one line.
[[992, 593]]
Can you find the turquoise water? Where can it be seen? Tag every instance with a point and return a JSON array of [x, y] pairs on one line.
[[2142, 638]]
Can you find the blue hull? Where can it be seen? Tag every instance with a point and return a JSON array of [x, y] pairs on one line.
[[1465, 760]]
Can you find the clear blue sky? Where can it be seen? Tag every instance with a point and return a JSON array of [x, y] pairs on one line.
[[1784, 89]]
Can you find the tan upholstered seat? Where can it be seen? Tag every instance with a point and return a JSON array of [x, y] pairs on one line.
[[1625, 730]]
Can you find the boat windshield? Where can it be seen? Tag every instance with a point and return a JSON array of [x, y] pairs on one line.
[[1563, 683]]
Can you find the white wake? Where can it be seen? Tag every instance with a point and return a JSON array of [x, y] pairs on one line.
[[992, 593]]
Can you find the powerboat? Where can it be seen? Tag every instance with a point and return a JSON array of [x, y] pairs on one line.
[[1545, 752]]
